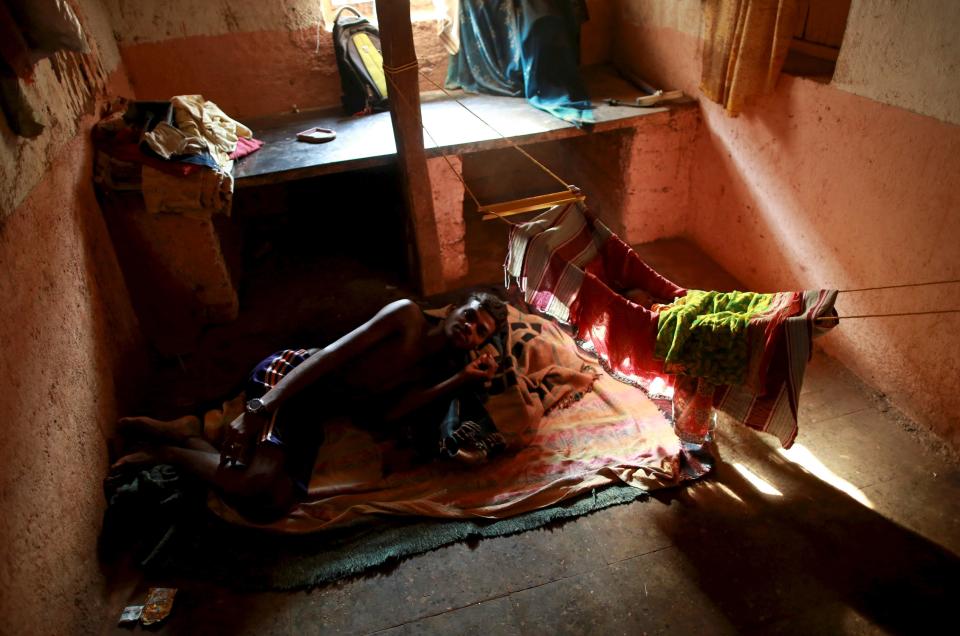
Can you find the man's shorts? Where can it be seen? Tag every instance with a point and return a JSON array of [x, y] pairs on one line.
[[296, 427]]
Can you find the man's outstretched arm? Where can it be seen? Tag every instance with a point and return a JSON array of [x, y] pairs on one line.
[[392, 319]]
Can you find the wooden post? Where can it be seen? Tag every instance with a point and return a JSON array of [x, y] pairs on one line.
[[396, 39]]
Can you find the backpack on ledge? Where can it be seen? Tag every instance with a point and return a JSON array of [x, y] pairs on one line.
[[356, 43]]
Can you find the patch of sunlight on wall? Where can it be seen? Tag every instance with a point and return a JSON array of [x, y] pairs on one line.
[[756, 481], [806, 255], [800, 455]]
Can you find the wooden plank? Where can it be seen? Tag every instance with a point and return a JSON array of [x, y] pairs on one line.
[[396, 39], [815, 50], [368, 141], [529, 204], [361, 142], [827, 21]]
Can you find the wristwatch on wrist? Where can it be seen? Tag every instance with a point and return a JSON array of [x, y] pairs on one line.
[[256, 406]]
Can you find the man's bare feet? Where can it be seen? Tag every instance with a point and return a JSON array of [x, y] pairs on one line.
[[139, 458], [172, 431]]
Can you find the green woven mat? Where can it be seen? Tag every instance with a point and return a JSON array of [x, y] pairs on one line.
[[251, 560]]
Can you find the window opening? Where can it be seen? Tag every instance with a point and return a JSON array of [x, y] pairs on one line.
[[817, 38], [420, 10]]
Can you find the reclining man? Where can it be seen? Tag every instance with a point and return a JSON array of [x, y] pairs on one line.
[[399, 365]]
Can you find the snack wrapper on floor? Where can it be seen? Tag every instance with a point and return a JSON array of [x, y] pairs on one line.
[[130, 614], [159, 604]]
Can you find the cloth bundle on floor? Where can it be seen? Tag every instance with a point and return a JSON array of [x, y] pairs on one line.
[[741, 352]]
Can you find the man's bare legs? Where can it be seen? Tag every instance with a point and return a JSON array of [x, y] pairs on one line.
[[175, 431], [260, 489]]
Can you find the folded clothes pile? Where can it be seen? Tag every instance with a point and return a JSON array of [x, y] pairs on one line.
[[185, 160]]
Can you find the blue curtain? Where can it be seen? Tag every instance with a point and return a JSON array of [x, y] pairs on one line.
[[523, 47]]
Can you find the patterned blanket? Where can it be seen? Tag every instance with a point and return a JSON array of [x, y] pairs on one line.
[[537, 371]]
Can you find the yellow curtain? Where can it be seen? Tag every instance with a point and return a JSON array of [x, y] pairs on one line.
[[744, 45]]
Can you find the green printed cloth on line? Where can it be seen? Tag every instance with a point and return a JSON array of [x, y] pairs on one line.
[[704, 334]]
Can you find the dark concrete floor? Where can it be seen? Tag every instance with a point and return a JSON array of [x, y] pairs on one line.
[[856, 530]]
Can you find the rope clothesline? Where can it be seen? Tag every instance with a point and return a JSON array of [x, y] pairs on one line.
[[389, 71], [403, 67], [905, 313], [933, 282], [491, 126], [415, 64], [897, 314]]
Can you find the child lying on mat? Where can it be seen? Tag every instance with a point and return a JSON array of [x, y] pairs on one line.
[[397, 365]]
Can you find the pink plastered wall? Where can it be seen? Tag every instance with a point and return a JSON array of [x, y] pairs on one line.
[[254, 73], [70, 355], [448, 194], [246, 74], [816, 187], [637, 179]]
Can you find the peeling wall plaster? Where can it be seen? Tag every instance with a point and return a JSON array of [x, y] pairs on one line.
[[62, 91], [138, 21]]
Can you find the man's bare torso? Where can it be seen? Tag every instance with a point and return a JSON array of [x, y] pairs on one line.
[[399, 363]]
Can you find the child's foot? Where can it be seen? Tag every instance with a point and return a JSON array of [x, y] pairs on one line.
[[174, 431]]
